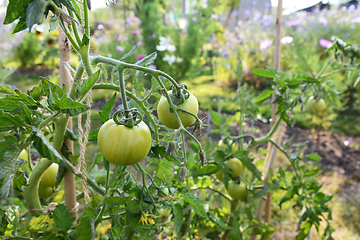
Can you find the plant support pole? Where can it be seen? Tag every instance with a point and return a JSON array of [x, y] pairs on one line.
[[65, 79], [272, 151]]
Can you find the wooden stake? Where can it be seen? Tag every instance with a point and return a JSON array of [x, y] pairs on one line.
[[65, 79]]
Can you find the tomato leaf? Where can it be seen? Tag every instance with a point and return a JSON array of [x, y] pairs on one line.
[[106, 109], [16, 9], [179, 215], [87, 85], [7, 89], [289, 194], [4, 222], [8, 121], [44, 148], [270, 187], [117, 200], [21, 25], [35, 13], [196, 204], [62, 218], [264, 95], [42, 224], [215, 118], [93, 135], [10, 103], [263, 73], [206, 170], [84, 231], [19, 180], [67, 105]]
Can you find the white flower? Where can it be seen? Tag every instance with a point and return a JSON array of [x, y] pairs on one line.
[[286, 40], [165, 45], [179, 60], [169, 59]]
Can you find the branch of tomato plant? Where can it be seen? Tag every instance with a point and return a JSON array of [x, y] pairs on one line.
[[325, 66], [214, 190]]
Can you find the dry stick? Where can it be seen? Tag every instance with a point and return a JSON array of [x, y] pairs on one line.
[[272, 151], [65, 79]]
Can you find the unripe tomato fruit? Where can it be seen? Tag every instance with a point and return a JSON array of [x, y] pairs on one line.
[[163, 213], [122, 145], [45, 192], [168, 118], [237, 191], [220, 175], [24, 156], [315, 106], [48, 178], [235, 166]]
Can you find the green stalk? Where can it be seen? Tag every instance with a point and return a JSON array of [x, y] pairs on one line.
[[234, 204]]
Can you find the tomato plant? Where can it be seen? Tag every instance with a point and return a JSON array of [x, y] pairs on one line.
[[315, 106], [122, 145], [237, 191], [167, 116]]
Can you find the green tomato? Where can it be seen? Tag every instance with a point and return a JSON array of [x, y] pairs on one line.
[[168, 118], [235, 166], [315, 106], [45, 192], [163, 214], [220, 175], [122, 145], [237, 191], [48, 178], [24, 156], [163, 191]]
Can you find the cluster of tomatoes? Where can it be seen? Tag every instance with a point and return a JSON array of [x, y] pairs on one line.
[[122, 145], [233, 168]]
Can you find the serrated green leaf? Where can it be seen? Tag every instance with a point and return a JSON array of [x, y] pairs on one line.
[[19, 180], [62, 218], [179, 215], [289, 194], [35, 13], [116, 200], [8, 121], [16, 9], [87, 85], [5, 187], [206, 170], [83, 230], [20, 26], [10, 103], [7, 89], [9, 154], [263, 73], [93, 135], [196, 204], [4, 222], [311, 80], [42, 224], [70, 135], [215, 118], [165, 169], [44, 147], [67, 105], [26, 114], [106, 109], [264, 95]]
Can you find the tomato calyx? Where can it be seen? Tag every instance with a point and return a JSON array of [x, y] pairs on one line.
[[179, 94], [128, 118]]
